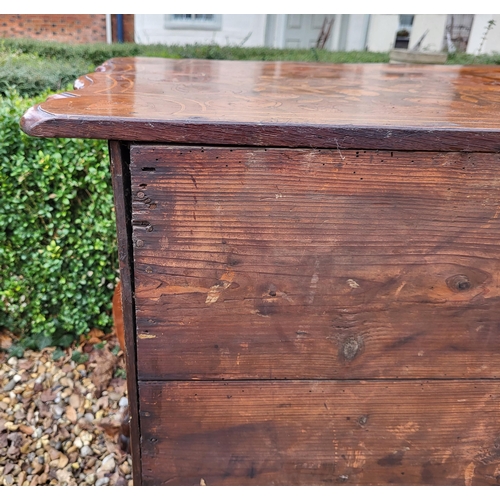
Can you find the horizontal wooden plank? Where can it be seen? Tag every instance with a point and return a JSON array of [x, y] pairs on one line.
[[253, 263], [279, 103], [320, 433]]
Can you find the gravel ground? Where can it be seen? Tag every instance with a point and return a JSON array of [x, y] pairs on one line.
[[60, 415]]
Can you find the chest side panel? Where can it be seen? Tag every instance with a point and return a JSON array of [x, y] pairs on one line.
[[310, 264]]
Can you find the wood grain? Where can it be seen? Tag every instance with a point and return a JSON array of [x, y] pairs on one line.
[[305, 264], [370, 106], [320, 433], [120, 174]]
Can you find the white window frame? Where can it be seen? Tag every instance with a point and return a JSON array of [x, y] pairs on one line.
[[213, 24]]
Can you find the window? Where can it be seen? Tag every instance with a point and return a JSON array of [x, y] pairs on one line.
[[406, 21], [193, 21], [404, 30]]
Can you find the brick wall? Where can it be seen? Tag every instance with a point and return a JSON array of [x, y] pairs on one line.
[[72, 28]]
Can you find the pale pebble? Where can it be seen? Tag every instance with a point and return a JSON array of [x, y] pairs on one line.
[[86, 451], [90, 479], [102, 482]]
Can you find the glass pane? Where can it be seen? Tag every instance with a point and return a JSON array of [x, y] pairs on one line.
[[406, 20], [193, 17]]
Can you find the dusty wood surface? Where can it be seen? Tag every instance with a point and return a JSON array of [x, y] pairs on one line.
[[119, 156], [302, 264], [320, 433], [371, 106]]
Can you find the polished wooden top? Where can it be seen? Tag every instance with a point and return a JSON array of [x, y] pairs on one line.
[[379, 106]]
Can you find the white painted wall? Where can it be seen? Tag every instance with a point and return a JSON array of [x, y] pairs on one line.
[[150, 28], [357, 31], [333, 42], [382, 32], [277, 29], [377, 30], [492, 41], [279, 37], [436, 24]]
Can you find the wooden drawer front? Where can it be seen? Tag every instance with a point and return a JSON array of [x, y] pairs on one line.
[[320, 432], [315, 264]]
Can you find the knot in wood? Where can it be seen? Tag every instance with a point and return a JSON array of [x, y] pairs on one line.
[[362, 420], [459, 283], [350, 348]]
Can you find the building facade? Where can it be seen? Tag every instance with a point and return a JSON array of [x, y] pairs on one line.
[[68, 28], [373, 32], [336, 32]]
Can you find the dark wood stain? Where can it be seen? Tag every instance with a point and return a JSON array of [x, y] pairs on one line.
[[297, 268], [393, 459], [256, 438], [120, 157]]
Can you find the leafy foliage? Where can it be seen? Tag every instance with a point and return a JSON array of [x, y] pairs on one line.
[[31, 75], [467, 59], [96, 53], [58, 354], [79, 358], [92, 53], [33, 66], [57, 233]]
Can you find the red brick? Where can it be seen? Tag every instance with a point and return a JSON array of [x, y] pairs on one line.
[[60, 27]]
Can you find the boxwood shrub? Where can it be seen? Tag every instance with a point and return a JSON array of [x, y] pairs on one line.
[[30, 75], [93, 53], [58, 256]]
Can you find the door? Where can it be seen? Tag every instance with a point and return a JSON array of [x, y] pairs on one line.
[[302, 30]]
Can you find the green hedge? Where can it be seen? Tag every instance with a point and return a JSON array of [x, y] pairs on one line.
[[32, 67], [30, 75], [92, 53], [96, 53], [58, 256]]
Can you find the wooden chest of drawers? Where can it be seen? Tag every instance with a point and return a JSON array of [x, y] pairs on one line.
[[310, 260]]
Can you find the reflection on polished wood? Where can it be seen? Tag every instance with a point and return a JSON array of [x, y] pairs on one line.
[[380, 106]]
